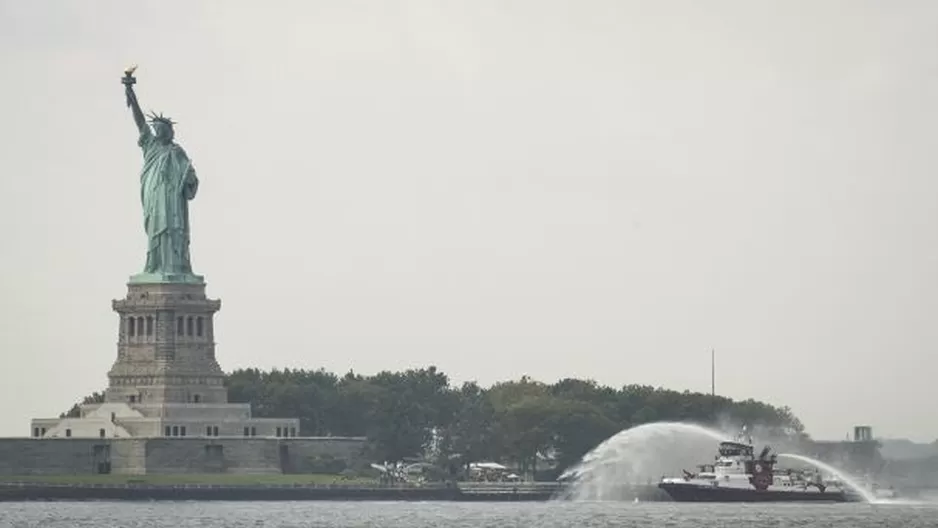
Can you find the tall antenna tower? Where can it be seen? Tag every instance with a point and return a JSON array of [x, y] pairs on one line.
[[713, 374]]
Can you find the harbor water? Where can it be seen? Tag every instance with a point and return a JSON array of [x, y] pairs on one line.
[[460, 515]]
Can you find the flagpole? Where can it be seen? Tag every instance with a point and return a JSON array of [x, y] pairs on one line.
[[713, 386], [713, 374]]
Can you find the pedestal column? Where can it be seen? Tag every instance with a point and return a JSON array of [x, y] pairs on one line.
[[166, 350]]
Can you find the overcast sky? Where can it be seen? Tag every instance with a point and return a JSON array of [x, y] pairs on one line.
[[596, 189]]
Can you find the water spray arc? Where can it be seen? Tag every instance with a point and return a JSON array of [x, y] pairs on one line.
[[647, 462], [860, 490], [637, 458]]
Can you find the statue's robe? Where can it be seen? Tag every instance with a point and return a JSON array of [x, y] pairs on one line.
[[167, 183]]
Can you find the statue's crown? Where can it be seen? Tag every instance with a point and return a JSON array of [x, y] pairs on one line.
[[160, 118]]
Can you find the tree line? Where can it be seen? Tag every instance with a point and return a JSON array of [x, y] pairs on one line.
[[418, 413], [410, 413]]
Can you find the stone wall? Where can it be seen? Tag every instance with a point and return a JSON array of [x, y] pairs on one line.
[[141, 427], [138, 456], [128, 456], [201, 411], [210, 455], [26, 456], [314, 455], [78, 427]]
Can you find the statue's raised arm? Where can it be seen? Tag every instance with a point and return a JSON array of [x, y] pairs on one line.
[[129, 81], [167, 183]]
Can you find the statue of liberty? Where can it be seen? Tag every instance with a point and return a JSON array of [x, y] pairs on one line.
[[167, 183]]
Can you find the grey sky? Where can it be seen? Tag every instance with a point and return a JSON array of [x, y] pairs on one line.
[[601, 189]]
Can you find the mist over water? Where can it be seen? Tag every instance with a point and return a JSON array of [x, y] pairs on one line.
[[849, 481], [623, 466], [640, 456]]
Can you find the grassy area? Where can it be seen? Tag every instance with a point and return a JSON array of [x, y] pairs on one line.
[[211, 478]]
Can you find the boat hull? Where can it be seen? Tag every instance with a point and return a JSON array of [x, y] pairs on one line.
[[696, 493]]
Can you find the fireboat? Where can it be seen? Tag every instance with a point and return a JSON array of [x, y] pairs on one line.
[[737, 475]]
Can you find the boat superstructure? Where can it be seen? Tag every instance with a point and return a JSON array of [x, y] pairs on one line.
[[739, 475]]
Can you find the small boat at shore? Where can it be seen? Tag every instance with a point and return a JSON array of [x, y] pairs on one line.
[[738, 475]]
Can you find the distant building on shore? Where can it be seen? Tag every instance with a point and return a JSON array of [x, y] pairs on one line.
[[859, 455]]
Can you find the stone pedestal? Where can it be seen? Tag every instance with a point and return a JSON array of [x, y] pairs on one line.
[[166, 381], [166, 346]]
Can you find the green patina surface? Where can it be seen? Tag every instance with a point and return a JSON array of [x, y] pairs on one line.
[[160, 278], [167, 183]]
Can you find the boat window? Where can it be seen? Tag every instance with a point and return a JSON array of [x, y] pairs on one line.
[[735, 449]]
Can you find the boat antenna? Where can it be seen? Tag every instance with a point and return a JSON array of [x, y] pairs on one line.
[[713, 374], [713, 386]]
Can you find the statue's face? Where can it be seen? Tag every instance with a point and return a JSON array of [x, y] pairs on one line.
[[162, 131]]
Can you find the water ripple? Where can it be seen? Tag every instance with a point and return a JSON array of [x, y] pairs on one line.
[[315, 514]]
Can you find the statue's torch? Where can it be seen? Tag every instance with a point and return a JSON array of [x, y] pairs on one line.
[[129, 80]]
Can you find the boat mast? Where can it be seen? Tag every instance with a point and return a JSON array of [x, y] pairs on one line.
[[713, 385], [713, 374]]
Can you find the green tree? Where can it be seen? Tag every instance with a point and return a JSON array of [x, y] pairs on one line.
[[584, 415], [404, 409], [527, 429], [75, 411], [470, 434]]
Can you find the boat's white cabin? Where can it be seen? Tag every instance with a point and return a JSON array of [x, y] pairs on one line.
[[729, 469]]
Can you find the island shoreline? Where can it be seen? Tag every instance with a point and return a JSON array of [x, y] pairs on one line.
[[20, 492]]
